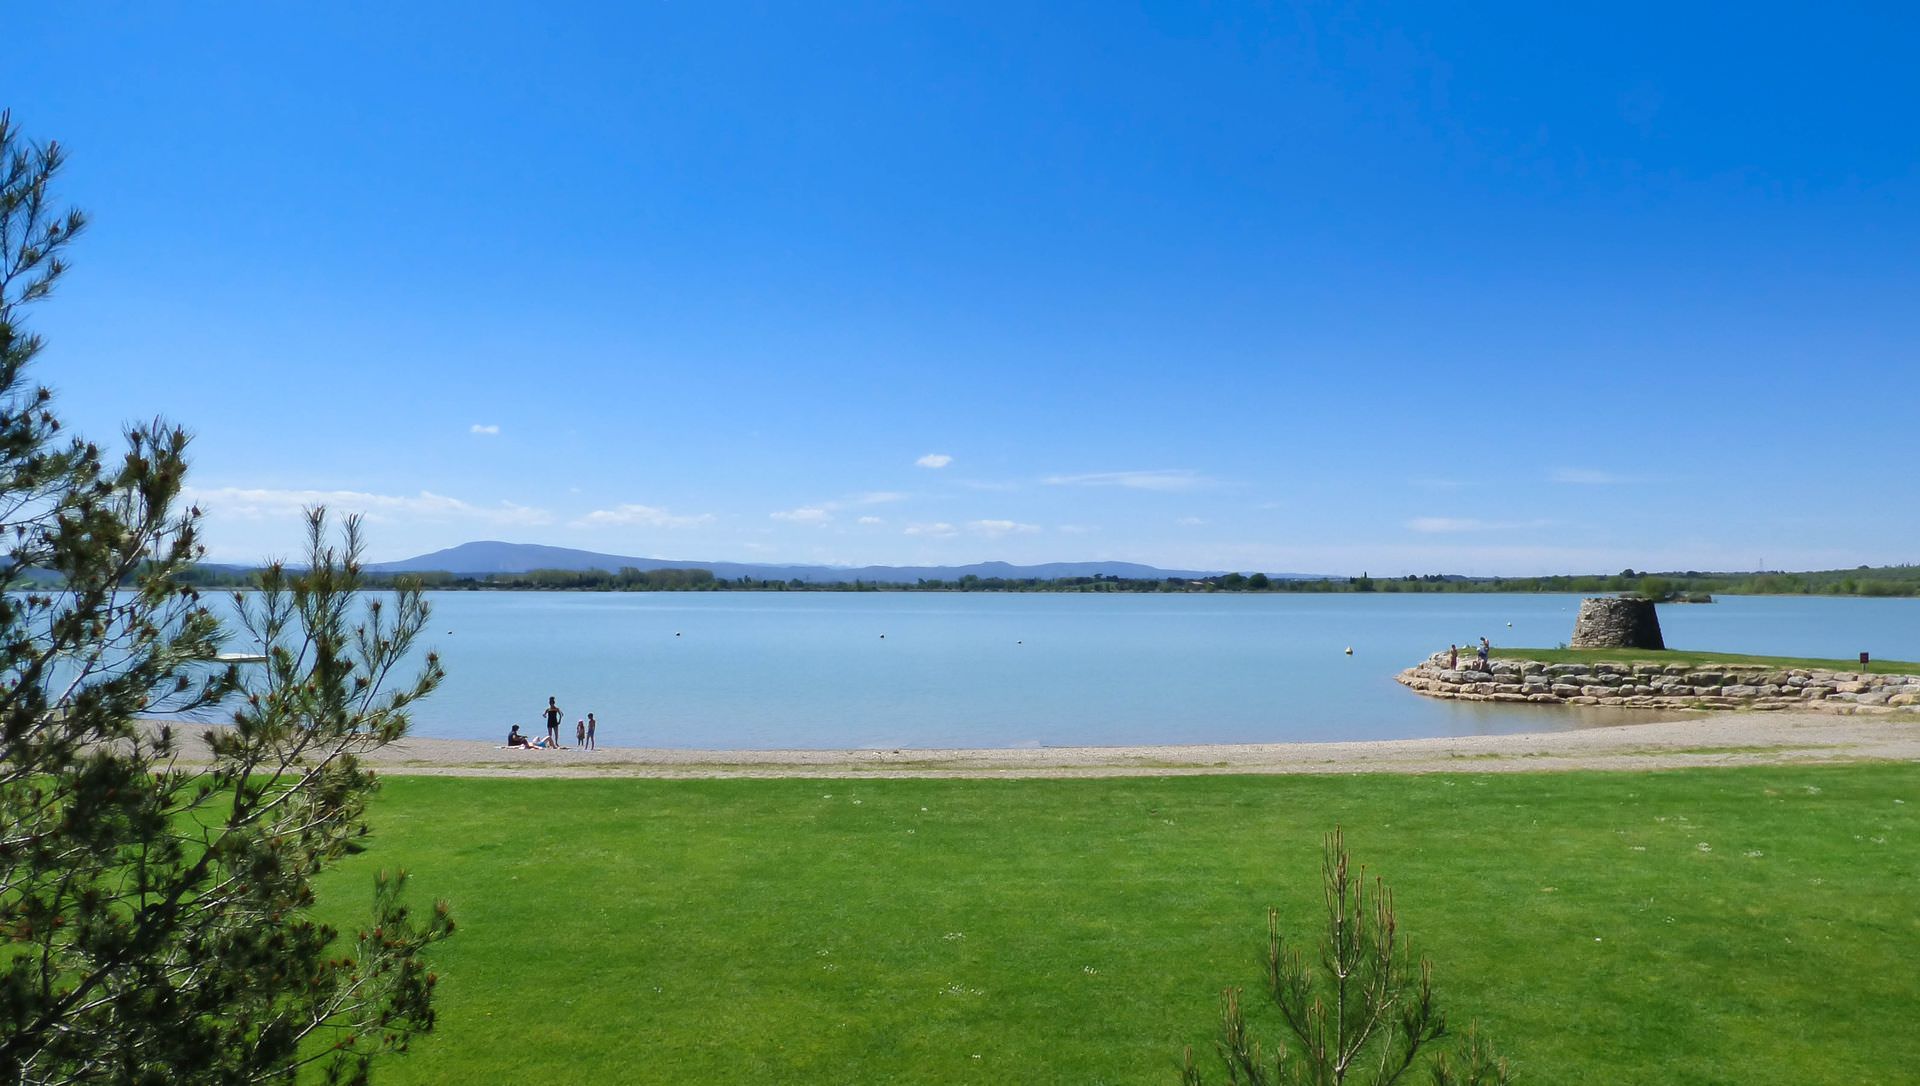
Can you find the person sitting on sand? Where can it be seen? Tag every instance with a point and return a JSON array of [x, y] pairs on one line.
[[516, 739]]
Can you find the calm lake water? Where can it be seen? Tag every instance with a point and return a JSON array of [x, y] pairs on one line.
[[886, 670]]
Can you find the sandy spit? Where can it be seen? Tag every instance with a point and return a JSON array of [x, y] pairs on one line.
[[1716, 739]]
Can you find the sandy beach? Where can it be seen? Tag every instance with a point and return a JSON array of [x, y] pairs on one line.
[[1718, 739]]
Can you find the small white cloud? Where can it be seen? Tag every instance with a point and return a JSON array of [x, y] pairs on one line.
[[1190, 522], [489, 429], [994, 529], [806, 514], [1165, 479], [939, 529], [934, 460], [646, 515], [871, 520], [871, 497]]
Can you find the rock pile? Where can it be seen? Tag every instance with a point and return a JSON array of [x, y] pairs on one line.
[[1665, 686]]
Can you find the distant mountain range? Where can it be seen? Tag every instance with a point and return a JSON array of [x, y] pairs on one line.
[[494, 557]]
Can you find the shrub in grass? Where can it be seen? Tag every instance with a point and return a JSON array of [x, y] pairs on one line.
[[1368, 1015]]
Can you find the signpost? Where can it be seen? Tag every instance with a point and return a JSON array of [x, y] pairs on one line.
[[1863, 661]]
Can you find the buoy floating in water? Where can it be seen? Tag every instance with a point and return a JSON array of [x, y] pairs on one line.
[[1349, 650]]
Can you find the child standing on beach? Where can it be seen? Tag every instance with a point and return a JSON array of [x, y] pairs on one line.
[[591, 725], [580, 734]]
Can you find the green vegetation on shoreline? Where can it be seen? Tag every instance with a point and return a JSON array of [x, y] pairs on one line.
[[1685, 587], [1700, 659], [1729, 925]]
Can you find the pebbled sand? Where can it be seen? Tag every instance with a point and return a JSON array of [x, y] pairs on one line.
[[1716, 739]]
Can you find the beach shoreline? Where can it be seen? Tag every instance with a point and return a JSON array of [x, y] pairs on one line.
[[1692, 739]]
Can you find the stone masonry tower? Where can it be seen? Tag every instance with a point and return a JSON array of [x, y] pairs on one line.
[[1609, 623]]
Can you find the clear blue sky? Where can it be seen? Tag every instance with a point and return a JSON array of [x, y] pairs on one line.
[[1400, 288]]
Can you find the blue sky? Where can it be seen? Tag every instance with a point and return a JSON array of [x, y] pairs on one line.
[[1389, 287]]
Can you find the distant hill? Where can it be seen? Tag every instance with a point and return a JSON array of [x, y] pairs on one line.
[[495, 557]]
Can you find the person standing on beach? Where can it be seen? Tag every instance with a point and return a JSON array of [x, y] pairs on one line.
[[554, 717], [591, 725], [1453, 657], [580, 734]]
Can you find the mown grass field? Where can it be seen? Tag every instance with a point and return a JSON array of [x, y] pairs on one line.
[[1713, 926], [1694, 659]]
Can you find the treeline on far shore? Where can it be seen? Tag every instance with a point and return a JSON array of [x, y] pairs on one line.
[[1689, 586]]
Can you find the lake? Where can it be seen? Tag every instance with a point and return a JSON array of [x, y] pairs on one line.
[[898, 669]]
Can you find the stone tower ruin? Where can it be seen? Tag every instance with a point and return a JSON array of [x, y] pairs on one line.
[[1608, 622]]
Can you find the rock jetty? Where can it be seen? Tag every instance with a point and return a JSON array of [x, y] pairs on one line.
[[1665, 686]]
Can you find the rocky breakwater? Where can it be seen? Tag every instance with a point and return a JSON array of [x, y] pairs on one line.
[[1665, 686]]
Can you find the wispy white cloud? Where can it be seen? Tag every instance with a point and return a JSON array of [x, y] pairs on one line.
[[822, 512], [994, 529], [1190, 522], [643, 515], [1445, 525], [995, 486], [934, 460], [939, 529], [1165, 479], [487, 428], [1076, 529], [1587, 477], [265, 503], [871, 520]]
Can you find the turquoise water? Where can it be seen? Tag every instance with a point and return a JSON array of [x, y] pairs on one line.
[[887, 670]]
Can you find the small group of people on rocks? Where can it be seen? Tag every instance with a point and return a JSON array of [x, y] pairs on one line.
[[1453, 656], [583, 731]]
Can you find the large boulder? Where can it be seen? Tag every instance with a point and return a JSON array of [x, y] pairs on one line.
[[1609, 622]]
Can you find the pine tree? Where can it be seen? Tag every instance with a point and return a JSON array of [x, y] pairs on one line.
[[156, 887], [1366, 1015]]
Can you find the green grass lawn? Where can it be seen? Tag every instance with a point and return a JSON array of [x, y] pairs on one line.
[[1713, 926], [1695, 659]]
